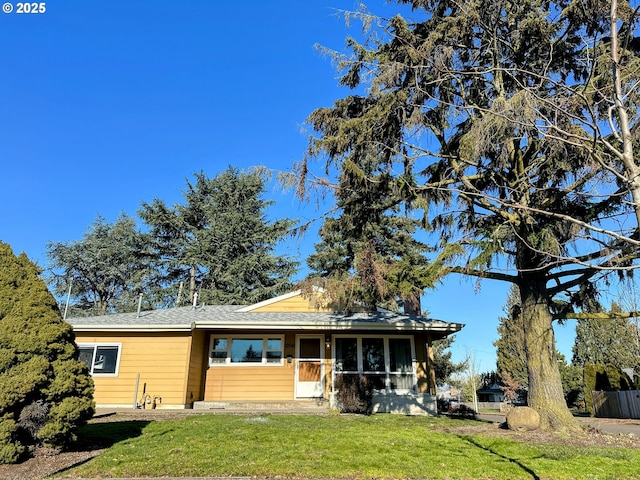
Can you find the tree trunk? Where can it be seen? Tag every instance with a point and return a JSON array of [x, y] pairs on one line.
[[192, 283], [411, 305], [545, 385]]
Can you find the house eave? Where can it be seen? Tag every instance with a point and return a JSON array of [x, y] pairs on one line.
[[132, 328], [331, 326]]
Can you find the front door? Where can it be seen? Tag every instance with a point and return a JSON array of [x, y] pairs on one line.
[[309, 367]]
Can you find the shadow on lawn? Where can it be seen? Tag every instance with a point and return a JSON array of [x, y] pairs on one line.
[[102, 435], [95, 436], [470, 440]]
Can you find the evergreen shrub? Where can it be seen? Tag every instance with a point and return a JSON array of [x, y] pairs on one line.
[[606, 378], [46, 394]]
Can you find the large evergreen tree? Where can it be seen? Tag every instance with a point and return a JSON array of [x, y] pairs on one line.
[[371, 245], [511, 359], [45, 392], [106, 270], [493, 113], [378, 261], [219, 241], [602, 341]]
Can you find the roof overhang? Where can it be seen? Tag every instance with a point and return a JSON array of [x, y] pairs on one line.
[[332, 326], [133, 328]]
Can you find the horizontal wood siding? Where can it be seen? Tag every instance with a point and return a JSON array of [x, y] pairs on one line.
[[250, 383], [160, 359], [293, 304], [422, 362], [301, 304], [195, 381]]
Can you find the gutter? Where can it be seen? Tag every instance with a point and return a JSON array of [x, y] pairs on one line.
[[133, 328], [342, 326]]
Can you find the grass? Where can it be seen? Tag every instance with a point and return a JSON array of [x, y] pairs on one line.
[[349, 447]]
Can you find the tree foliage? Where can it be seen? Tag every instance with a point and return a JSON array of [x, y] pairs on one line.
[[602, 341], [511, 359], [572, 382], [605, 377], [444, 366], [509, 126], [377, 259], [219, 241], [106, 270], [45, 392]]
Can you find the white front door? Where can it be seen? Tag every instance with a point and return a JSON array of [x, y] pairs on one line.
[[309, 367]]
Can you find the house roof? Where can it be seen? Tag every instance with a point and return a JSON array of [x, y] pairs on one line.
[[227, 317]]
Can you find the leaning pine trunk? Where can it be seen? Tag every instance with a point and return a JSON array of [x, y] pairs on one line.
[[545, 385]]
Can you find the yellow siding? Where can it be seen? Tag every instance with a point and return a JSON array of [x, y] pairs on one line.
[[328, 374], [227, 383], [194, 388], [300, 303], [293, 304], [422, 363], [160, 359], [252, 383]]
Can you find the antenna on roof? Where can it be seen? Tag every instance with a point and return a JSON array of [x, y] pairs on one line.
[[195, 300], [139, 305], [66, 305]]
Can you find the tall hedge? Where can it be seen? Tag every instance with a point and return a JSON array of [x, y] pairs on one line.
[[605, 378], [46, 394]]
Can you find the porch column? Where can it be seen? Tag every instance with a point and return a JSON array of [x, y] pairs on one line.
[[431, 370]]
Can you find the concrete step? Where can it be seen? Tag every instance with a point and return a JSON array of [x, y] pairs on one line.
[[311, 406]]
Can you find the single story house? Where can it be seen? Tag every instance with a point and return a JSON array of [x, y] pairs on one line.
[[493, 394], [284, 349]]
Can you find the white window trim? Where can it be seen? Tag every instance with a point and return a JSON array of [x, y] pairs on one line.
[[263, 363], [387, 361], [95, 345]]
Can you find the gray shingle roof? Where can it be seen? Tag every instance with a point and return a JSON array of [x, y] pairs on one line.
[[228, 317]]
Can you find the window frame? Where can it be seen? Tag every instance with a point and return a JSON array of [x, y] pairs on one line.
[[95, 346], [265, 360], [387, 373]]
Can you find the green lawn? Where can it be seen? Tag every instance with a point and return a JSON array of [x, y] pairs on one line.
[[379, 446]]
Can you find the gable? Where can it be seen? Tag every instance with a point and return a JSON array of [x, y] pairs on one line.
[[294, 302]]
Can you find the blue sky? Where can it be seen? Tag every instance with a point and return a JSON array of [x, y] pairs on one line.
[[106, 104]]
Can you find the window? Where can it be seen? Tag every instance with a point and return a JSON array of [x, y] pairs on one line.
[[100, 358], [247, 350], [386, 361], [400, 364]]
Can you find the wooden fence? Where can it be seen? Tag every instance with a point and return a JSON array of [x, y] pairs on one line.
[[622, 404]]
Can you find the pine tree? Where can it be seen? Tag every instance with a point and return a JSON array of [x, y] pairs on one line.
[[45, 392], [371, 245], [106, 270], [602, 341], [444, 367], [511, 359], [219, 242], [489, 116]]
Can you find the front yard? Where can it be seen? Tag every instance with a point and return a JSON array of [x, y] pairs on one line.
[[336, 446]]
